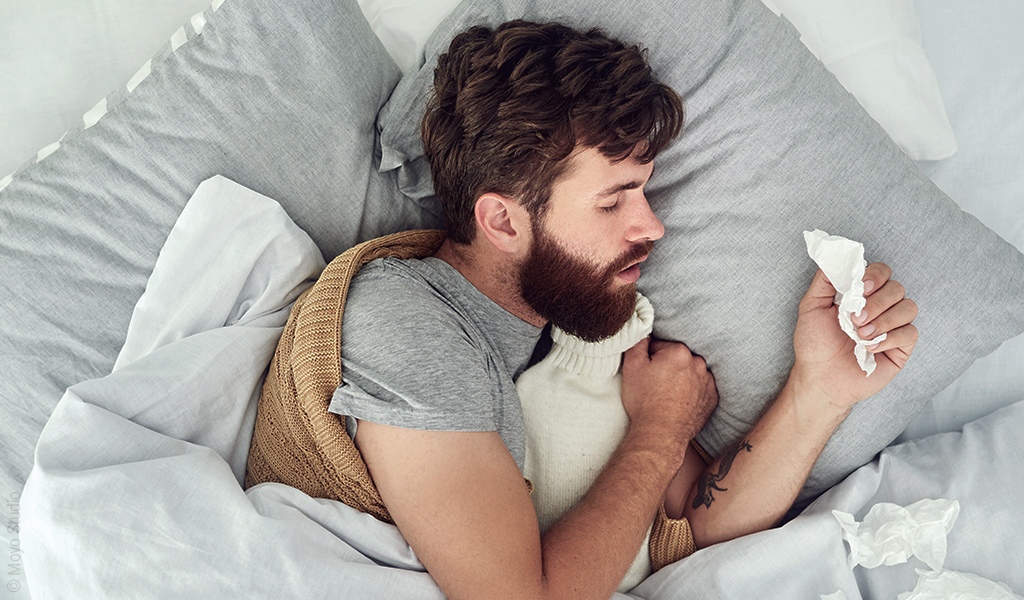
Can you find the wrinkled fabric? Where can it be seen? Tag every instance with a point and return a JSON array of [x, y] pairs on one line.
[[136, 488]]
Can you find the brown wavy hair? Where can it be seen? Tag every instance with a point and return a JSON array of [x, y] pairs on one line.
[[511, 104]]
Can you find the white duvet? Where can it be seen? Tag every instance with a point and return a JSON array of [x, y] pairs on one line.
[[136, 487]]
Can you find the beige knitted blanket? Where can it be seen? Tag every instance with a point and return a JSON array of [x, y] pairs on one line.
[[298, 442]]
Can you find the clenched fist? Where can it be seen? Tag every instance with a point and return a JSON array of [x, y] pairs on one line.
[[664, 385]]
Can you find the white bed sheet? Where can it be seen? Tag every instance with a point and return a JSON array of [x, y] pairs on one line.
[[975, 49]]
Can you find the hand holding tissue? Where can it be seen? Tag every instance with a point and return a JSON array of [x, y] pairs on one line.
[[842, 261], [837, 312]]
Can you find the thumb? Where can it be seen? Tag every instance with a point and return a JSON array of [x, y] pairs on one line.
[[639, 351], [820, 294]]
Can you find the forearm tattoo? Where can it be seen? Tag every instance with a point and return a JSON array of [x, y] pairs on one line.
[[707, 485]]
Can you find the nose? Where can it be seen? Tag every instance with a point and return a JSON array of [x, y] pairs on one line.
[[645, 225]]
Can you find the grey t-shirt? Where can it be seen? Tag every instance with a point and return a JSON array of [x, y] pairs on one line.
[[422, 348]]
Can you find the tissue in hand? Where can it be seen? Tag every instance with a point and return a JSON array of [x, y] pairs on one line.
[[842, 261], [890, 534]]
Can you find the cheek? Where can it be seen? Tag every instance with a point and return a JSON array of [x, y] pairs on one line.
[[608, 238], [597, 238], [603, 248]]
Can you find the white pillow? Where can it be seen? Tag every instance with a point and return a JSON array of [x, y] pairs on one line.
[[873, 47], [403, 26]]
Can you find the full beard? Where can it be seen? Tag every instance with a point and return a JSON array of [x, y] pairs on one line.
[[574, 295]]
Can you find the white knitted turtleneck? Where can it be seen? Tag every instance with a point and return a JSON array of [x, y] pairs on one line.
[[572, 406]]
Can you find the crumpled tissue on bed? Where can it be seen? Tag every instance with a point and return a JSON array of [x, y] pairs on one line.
[[890, 534], [951, 585], [842, 261], [948, 585]]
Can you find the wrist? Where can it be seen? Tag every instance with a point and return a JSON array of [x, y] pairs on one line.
[[658, 438], [813, 406]]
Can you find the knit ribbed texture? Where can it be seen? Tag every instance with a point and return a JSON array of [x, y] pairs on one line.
[[297, 441], [671, 540], [600, 359]]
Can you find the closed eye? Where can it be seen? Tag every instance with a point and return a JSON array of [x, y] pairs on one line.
[[617, 197]]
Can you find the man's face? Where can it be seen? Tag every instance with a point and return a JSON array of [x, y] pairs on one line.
[[583, 264]]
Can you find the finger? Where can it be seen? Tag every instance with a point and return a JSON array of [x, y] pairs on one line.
[[898, 345], [897, 315], [904, 338], [882, 300], [902, 313], [669, 350], [711, 391], [658, 345], [820, 294], [875, 277]]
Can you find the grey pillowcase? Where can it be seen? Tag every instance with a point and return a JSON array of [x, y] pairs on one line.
[[280, 97], [772, 146]]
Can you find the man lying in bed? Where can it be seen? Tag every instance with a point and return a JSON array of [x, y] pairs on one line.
[[541, 140]]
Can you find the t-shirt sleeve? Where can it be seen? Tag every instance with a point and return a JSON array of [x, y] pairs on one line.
[[409, 358]]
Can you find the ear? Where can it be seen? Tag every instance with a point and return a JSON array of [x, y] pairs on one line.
[[503, 222]]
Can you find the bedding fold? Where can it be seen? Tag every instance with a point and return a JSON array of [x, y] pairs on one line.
[[136, 487]]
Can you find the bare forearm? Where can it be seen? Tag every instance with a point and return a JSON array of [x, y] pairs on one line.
[[752, 486], [589, 550], [459, 500]]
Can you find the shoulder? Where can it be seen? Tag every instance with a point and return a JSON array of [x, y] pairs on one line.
[[409, 356], [405, 311], [389, 275], [401, 293]]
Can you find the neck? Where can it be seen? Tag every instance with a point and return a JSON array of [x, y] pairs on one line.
[[493, 273]]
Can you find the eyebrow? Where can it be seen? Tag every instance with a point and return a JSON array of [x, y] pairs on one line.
[[621, 187], [615, 189]]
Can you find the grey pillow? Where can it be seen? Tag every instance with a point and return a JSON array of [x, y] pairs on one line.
[[280, 97], [772, 146]]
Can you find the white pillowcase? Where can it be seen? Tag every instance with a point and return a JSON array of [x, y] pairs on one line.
[[873, 47], [404, 26]]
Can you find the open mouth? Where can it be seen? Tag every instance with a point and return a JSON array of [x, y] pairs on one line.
[[631, 273]]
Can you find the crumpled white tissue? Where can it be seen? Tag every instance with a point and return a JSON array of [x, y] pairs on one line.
[[838, 595], [890, 534], [951, 585], [842, 261]]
